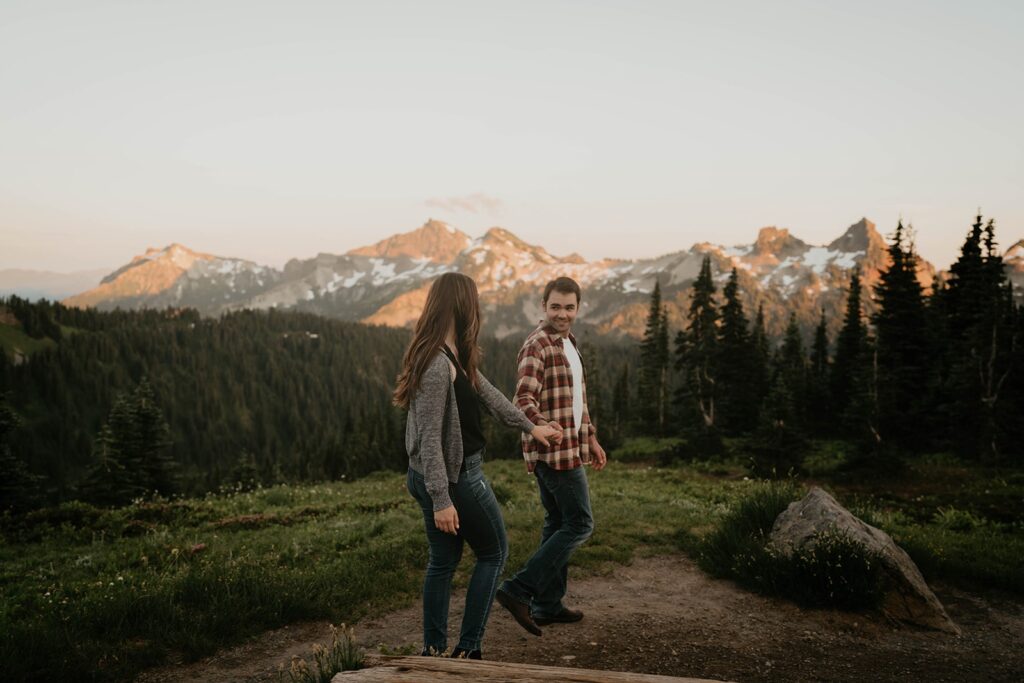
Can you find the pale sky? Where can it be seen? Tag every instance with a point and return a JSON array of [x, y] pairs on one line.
[[271, 130]]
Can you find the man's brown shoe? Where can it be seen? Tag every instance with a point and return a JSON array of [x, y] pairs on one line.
[[520, 611], [566, 616]]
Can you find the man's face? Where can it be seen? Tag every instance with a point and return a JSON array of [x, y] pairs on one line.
[[560, 311]]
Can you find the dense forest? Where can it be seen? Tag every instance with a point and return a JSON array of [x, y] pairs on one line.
[[111, 406], [938, 371], [120, 404]]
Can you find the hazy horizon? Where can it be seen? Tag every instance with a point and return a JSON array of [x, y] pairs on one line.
[[268, 131]]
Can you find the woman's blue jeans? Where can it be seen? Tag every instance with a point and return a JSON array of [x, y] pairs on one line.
[[482, 527]]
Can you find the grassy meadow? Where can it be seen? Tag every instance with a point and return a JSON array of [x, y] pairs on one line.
[[97, 594]]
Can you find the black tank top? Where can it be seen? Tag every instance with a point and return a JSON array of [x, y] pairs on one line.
[[469, 409]]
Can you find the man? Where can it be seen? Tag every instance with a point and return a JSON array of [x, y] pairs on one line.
[[551, 389]]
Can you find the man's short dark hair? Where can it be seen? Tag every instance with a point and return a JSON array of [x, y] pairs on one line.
[[564, 285]]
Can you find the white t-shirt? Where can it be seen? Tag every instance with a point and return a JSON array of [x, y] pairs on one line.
[[576, 366]]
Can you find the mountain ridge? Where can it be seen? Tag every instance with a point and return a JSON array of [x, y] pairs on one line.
[[385, 283]]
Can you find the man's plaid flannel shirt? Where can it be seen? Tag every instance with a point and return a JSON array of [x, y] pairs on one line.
[[544, 394]]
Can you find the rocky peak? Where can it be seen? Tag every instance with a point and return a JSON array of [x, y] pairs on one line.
[[777, 242], [434, 240], [1015, 253], [174, 258], [574, 258], [501, 237], [861, 236], [149, 274]]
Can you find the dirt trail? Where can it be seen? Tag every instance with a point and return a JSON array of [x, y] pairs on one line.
[[663, 615]]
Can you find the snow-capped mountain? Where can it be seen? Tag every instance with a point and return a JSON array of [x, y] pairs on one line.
[[386, 283], [178, 276], [1014, 260], [434, 241]]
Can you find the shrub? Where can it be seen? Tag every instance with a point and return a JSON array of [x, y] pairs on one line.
[[736, 547], [957, 520], [831, 569]]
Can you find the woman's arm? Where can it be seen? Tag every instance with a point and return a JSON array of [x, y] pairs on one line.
[[428, 403], [500, 407]]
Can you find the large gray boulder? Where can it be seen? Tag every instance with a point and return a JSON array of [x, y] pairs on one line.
[[907, 596]]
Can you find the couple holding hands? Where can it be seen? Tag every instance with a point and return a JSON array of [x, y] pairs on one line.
[[444, 391]]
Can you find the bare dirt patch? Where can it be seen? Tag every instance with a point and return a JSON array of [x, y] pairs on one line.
[[663, 615]]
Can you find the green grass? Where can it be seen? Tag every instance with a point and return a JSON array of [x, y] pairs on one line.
[[90, 594], [342, 654], [13, 339], [646, 448]]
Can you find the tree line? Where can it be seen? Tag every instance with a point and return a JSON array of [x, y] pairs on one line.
[[928, 371], [129, 403]]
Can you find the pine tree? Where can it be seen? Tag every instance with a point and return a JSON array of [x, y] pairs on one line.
[[862, 416], [903, 347], [696, 359], [654, 365], [19, 488], [819, 409], [779, 444], [593, 370], [735, 364], [621, 408], [152, 438], [761, 358], [980, 329], [109, 482], [791, 368], [850, 350]]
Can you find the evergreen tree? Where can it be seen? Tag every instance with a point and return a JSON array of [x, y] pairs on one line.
[[152, 437], [791, 370], [735, 363], [819, 409], [19, 488], [696, 360], [862, 416], [850, 350], [779, 444], [621, 408], [109, 482], [903, 348], [654, 365], [761, 358], [980, 333]]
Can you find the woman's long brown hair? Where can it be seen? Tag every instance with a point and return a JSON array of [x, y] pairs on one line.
[[452, 299]]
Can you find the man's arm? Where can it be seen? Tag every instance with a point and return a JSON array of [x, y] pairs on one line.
[[599, 456], [530, 383]]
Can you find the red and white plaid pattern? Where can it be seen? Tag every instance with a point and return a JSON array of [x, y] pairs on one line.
[[544, 394]]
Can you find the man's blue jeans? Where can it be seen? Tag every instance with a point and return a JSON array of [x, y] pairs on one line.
[[568, 522], [480, 525]]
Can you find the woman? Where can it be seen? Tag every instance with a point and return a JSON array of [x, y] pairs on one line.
[[443, 391]]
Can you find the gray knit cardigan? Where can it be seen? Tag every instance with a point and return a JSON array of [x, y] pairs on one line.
[[433, 434]]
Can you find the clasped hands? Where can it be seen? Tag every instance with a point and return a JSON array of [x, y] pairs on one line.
[[546, 434]]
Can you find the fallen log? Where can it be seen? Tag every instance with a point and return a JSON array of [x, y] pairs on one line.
[[426, 669]]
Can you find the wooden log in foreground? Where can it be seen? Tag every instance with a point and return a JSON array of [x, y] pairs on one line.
[[426, 669]]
